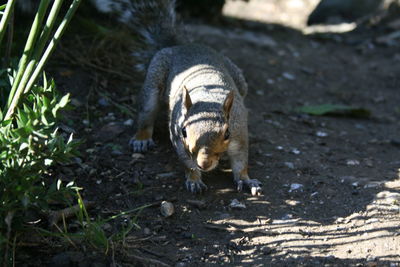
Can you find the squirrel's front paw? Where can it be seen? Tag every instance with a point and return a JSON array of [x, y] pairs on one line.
[[140, 146], [253, 184], [196, 186]]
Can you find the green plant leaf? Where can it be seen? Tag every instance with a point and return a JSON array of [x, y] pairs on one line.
[[64, 101], [23, 146], [334, 110]]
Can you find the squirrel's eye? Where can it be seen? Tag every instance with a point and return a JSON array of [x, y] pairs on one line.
[[184, 134], [227, 135]]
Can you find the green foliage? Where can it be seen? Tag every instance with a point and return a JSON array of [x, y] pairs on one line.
[[334, 110], [29, 145]]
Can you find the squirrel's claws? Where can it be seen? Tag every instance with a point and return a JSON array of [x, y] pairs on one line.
[[253, 184], [140, 146], [196, 186]]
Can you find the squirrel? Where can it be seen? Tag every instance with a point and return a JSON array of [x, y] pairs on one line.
[[204, 91]]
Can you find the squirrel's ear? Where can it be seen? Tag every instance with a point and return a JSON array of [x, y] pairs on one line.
[[186, 98], [228, 103]]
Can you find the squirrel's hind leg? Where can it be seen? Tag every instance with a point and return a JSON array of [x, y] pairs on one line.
[[238, 154], [153, 88]]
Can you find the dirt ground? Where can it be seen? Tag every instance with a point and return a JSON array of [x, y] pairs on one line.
[[331, 184]]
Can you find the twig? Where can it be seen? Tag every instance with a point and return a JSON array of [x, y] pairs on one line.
[[151, 252], [148, 260], [66, 236], [223, 228], [55, 216], [235, 229], [113, 255]]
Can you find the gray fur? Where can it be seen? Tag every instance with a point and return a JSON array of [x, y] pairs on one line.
[[209, 78]]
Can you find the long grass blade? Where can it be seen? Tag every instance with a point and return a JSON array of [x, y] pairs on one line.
[[54, 41], [6, 17], [39, 67], [33, 34]]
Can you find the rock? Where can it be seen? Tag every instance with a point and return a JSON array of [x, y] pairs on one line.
[[295, 151], [352, 162], [128, 122], [270, 81], [294, 187], [167, 209], [374, 184], [290, 165], [146, 231], [103, 102], [291, 202], [235, 204], [260, 92], [288, 76], [321, 134]]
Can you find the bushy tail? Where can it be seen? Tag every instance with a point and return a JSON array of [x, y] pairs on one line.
[[154, 21]]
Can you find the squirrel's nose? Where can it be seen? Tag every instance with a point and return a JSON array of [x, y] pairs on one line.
[[204, 165]]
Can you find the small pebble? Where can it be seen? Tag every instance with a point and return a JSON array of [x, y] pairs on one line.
[[128, 122], [235, 204], [352, 162], [321, 134], [103, 102], [294, 187], [288, 76], [295, 151], [167, 209], [290, 165], [146, 231]]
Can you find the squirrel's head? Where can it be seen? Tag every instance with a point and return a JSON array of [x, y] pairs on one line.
[[205, 130]]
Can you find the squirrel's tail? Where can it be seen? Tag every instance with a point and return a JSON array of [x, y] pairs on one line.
[[154, 22]]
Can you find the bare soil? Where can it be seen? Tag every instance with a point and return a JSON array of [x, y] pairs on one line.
[[331, 185]]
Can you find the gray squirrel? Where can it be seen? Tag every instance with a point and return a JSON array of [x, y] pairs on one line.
[[204, 91]]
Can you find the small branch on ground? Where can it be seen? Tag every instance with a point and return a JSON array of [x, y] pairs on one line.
[[55, 216]]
